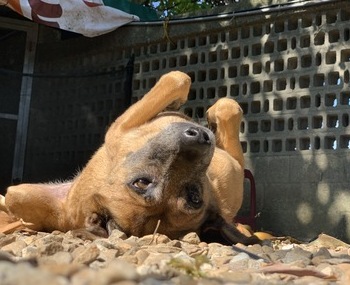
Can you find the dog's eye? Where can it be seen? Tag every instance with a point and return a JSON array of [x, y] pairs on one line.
[[194, 196], [141, 183]]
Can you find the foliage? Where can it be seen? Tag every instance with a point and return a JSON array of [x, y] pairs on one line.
[[169, 8], [190, 267]]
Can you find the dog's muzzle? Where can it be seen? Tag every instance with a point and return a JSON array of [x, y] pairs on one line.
[[196, 141], [196, 136]]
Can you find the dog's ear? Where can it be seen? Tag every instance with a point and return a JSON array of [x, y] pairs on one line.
[[39, 204]]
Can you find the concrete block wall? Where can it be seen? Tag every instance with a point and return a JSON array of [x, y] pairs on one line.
[[288, 69], [290, 73]]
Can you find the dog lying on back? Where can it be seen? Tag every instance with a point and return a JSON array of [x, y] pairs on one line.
[[153, 166]]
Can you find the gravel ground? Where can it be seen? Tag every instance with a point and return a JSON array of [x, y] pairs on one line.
[[63, 258]]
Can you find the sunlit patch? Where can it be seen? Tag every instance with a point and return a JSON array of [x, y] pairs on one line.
[[323, 193], [339, 207], [321, 160], [304, 213]]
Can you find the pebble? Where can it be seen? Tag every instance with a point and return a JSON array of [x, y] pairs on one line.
[[298, 255], [86, 255], [192, 238], [15, 248], [63, 259]]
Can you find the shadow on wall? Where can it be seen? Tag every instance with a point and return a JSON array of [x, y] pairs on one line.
[[297, 143], [291, 77]]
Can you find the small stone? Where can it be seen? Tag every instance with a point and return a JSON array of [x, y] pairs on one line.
[[192, 238], [70, 244], [310, 280], [104, 258], [239, 257], [239, 261], [141, 256], [29, 240], [84, 277], [5, 256], [48, 239], [237, 277], [256, 249], [287, 247], [299, 255], [66, 270], [220, 261], [50, 248], [327, 270], [7, 239], [156, 258], [327, 241], [123, 247], [323, 252], [161, 248], [23, 273], [174, 243], [30, 252], [15, 248], [219, 250], [153, 239], [87, 255], [320, 256], [104, 244], [132, 240], [116, 271], [117, 234], [132, 259], [277, 255], [203, 244], [57, 258], [194, 250]]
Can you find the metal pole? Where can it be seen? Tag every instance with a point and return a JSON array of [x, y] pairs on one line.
[[24, 105]]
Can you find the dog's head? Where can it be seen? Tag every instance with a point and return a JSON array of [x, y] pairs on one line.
[[158, 172]]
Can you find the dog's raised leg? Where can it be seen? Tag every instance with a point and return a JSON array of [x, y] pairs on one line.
[[171, 89], [224, 118]]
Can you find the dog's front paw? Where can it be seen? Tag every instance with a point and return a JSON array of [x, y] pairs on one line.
[[177, 79], [96, 225], [178, 85]]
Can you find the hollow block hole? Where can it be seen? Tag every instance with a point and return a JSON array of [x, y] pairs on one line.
[[291, 144], [265, 126], [304, 144]]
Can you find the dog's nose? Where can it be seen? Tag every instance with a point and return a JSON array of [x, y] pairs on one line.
[[194, 135]]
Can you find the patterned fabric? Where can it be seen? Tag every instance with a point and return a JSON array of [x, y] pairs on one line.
[[88, 17]]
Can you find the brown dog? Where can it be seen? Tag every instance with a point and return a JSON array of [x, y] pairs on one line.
[[152, 167]]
